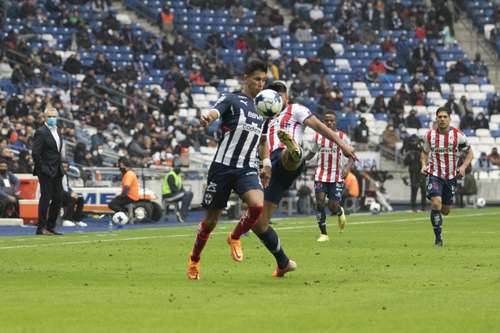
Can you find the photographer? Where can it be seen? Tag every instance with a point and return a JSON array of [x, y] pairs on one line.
[[411, 150]]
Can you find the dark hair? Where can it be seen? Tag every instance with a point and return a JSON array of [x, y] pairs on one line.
[[330, 114], [124, 160], [255, 66], [278, 86], [443, 109]]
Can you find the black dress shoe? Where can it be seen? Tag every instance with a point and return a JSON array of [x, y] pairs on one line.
[[54, 232], [43, 231]]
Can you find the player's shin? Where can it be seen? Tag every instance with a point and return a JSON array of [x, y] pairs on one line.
[[247, 221], [437, 221], [272, 242], [202, 236], [321, 218]]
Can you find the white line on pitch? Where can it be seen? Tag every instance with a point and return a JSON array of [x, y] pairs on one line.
[[311, 225]]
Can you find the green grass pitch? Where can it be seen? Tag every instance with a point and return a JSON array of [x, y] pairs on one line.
[[383, 274]]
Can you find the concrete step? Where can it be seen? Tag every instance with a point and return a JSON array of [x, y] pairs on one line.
[[11, 222]]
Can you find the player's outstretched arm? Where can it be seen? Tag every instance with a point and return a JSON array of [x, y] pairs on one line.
[[263, 149], [322, 129], [209, 116]]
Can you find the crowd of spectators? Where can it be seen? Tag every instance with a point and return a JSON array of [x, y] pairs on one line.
[[145, 123]]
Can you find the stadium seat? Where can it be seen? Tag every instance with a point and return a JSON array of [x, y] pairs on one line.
[[483, 133]]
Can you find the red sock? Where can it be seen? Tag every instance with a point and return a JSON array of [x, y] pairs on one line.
[[247, 221], [201, 239]]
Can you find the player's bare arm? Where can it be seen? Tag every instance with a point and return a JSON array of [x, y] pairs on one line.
[[263, 149], [424, 157], [347, 167], [466, 163], [209, 116], [322, 129]]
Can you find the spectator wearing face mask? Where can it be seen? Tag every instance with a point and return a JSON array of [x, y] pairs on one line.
[[481, 122]]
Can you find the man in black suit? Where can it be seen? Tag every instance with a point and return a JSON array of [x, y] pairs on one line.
[[46, 152]]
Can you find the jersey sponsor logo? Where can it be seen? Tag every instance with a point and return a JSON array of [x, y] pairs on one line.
[[250, 173], [251, 128], [212, 187], [253, 115], [443, 150]]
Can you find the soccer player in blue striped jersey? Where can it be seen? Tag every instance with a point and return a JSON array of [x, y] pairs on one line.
[[235, 164]]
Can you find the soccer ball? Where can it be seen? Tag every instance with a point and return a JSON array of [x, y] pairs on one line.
[[268, 103], [120, 218], [480, 203], [375, 208]]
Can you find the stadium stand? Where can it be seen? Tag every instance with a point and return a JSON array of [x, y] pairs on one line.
[[126, 91]]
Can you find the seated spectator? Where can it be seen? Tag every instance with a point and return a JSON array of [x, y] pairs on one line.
[[478, 67], [379, 105], [237, 10], [467, 121], [388, 45], [481, 122], [274, 40], [72, 202], [494, 157], [101, 65], [452, 75], [432, 84], [361, 134], [9, 192], [464, 105], [389, 137], [412, 121], [377, 66], [174, 192], [483, 163], [363, 106], [326, 52], [130, 187], [494, 105], [303, 34]]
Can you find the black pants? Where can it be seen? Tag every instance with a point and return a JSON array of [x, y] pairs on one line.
[[414, 190], [119, 203], [50, 201], [73, 207], [184, 197]]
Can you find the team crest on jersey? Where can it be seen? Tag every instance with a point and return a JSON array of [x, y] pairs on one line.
[[207, 199]]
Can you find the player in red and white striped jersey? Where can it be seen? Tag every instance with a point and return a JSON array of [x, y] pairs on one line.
[[442, 150], [285, 138], [329, 176]]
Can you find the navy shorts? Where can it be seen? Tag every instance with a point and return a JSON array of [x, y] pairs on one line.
[[439, 187], [281, 179], [223, 179], [333, 190]]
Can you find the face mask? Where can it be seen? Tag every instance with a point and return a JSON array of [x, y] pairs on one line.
[[52, 121]]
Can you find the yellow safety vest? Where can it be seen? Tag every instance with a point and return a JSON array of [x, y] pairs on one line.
[[166, 190]]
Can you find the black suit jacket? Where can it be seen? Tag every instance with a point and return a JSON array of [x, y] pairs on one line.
[[46, 156]]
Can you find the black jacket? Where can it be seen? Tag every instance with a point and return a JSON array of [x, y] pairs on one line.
[[46, 156]]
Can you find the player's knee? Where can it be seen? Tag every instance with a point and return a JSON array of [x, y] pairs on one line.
[[254, 212]]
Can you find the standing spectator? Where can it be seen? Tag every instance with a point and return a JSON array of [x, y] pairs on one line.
[[467, 121], [46, 152], [361, 134], [464, 106], [377, 66], [412, 150], [166, 20]]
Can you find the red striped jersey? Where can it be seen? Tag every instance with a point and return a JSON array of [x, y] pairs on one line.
[[444, 151], [291, 120], [331, 160]]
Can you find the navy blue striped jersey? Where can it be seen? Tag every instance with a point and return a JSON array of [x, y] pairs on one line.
[[241, 130]]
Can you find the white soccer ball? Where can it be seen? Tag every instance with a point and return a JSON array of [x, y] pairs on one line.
[[268, 103], [375, 207], [120, 218], [481, 202]]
